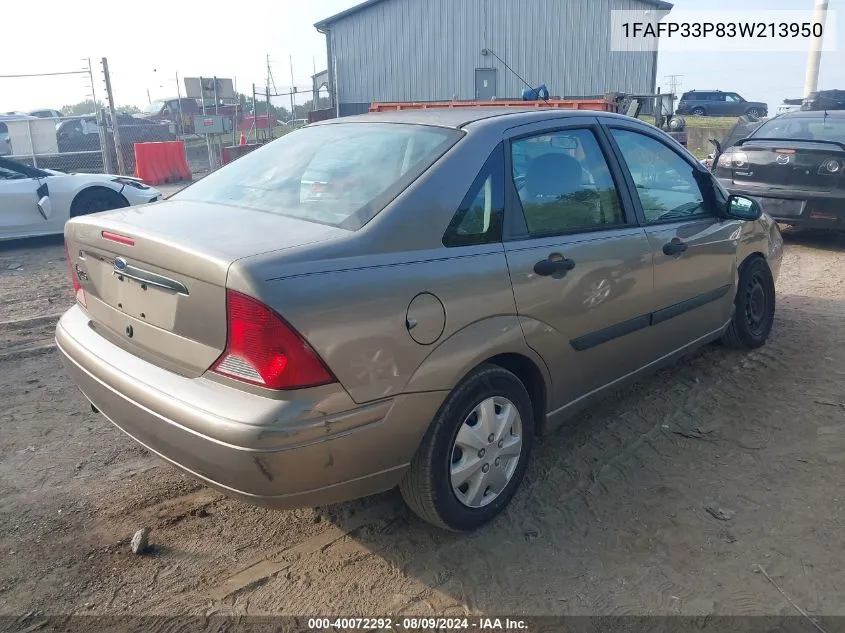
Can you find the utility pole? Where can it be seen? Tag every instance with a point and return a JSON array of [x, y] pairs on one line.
[[211, 161], [292, 92], [118, 147], [101, 131], [814, 59], [181, 126], [254, 115], [269, 125]]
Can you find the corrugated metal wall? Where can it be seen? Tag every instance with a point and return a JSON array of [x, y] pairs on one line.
[[409, 50]]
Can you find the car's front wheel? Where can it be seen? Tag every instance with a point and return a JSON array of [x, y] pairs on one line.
[[754, 114], [474, 455], [698, 112], [755, 306]]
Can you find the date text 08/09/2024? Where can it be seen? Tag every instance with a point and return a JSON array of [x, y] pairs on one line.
[[417, 624], [754, 30]]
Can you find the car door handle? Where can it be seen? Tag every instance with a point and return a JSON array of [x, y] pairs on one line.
[[555, 264], [674, 248]]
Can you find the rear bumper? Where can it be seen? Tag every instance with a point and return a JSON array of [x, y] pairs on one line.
[[815, 209], [312, 448]]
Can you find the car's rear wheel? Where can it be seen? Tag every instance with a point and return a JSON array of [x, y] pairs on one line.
[[699, 112], [95, 200], [474, 455], [755, 307]]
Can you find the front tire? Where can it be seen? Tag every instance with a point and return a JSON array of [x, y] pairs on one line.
[[699, 112], [755, 307], [753, 114], [474, 455], [95, 200]]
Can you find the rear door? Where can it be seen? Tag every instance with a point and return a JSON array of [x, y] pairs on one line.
[[717, 104], [694, 250], [580, 266]]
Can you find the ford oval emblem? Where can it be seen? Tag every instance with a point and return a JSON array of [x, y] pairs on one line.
[[120, 264]]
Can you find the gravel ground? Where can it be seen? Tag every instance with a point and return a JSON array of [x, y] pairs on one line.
[[612, 518]]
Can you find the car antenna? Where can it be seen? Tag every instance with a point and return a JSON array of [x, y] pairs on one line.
[[484, 51]]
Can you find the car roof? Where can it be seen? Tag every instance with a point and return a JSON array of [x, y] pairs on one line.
[[813, 114], [461, 117]]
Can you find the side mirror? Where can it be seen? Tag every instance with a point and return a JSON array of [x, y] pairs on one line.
[[742, 208]]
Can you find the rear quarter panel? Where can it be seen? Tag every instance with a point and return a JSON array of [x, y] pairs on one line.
[[355, 317]]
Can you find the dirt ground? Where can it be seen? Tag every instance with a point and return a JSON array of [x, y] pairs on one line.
[[610, 520]]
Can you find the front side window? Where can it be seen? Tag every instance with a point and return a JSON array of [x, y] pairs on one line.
[[340, 174], [664, 181], [564, 183], [733, 98]]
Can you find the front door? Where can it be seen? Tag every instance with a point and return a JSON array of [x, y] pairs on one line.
[[485, 84], [19, 203], [580, 266], [694, 250]]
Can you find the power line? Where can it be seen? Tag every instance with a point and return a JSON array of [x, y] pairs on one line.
[[70, 72]]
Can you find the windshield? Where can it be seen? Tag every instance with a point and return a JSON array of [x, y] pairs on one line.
[[154, 108], [804, 129], [339, 174]]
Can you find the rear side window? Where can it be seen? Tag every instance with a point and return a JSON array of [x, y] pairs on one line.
[[341, 174], [479, 219]]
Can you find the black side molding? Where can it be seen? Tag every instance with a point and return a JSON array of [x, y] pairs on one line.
[[690, 304], [594, 339]]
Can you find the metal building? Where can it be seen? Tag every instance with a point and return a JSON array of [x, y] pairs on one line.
[[436, 50]]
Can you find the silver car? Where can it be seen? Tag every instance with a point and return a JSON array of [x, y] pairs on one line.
[[299, 328]]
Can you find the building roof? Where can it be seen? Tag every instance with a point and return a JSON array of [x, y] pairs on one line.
[[660, 4], [464, 116]]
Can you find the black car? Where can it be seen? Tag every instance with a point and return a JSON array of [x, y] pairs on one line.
[[825, 100], [718, 103], [81, 135], [795, 163]]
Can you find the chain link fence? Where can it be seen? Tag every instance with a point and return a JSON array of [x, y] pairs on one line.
[[83, 143]]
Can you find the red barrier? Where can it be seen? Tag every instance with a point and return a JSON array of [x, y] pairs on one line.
[[161, 162], [178, 162]]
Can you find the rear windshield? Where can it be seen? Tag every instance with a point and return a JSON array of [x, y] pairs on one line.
[[804, 129], [340, 174]]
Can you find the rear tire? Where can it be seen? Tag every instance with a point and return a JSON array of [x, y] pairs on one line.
[[95, 200], [490, 395], [755, 307], [698, 112]]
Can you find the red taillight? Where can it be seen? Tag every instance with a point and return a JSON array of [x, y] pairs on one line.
[[77, 287], [262, 349], [116, 237]]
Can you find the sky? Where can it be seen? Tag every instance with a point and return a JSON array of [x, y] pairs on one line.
[[148, 45]]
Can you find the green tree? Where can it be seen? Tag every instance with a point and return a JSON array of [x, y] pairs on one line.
[[83, 107]]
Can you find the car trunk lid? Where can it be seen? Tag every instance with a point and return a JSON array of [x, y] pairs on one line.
[[155, 276], [789, 164]]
